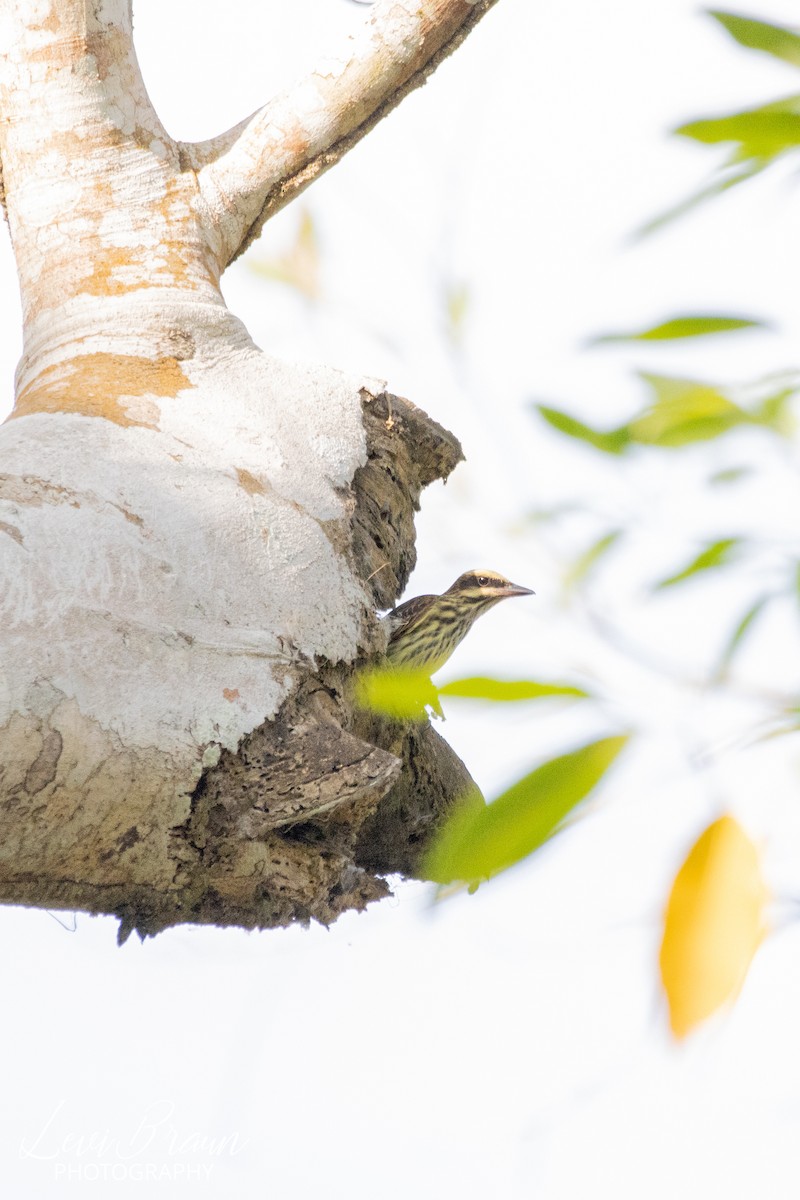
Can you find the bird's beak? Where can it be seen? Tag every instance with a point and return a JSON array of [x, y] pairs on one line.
[[516, 589]]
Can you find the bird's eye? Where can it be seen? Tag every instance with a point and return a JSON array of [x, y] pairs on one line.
[[483, 581]]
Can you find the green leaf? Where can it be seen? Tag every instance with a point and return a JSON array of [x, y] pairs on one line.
[[404, 695], [717, 554], [729, 475], [785, 724], [478, 687], [585, 563], [729, 177], [611, 441], [761, 133], [684, 411], [680, 327], [777, 40], [457, 303], [544, 516], [773, 411], [299, 266], [477, 843], [741, 630]]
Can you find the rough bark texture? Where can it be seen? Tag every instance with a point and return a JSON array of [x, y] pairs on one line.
[[315, 807], [301, 820]]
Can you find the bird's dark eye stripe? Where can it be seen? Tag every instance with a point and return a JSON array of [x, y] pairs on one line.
[[473, 581]]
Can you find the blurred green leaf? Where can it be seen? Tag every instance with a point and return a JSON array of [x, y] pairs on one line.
[[545, 516], [684, 411], [585, 563], [477, 843], [404, 695], [717, 554], [761, 133], [785, 723], [457, 302], [774, 411], [777, 40], [740, 632], [478, 687], [728, 177], [680, 327], [729, 475], [612, 441], [299, 266]]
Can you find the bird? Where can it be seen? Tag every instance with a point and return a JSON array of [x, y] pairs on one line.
[[425, 631]]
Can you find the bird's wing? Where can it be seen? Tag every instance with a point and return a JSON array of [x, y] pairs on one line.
[[403, 617]]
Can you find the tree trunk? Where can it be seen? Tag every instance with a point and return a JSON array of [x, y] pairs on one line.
[[193, 535]]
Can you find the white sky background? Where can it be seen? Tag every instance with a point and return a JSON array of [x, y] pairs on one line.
[[513, 1043]]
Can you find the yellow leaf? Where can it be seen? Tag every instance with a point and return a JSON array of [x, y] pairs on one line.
[[713, 925]]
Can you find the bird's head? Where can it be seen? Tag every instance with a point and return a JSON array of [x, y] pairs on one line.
[[484, 588]]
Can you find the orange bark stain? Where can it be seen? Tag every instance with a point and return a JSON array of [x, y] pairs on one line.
[[104, 385], [231, 694], [103, 280], [115, 272]]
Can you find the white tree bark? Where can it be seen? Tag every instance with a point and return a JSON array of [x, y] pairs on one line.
[[187, 526]]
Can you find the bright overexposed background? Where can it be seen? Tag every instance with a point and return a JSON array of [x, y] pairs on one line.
[[512, 1043]]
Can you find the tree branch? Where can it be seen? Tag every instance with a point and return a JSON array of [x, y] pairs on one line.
[[256, 168], [193, 535]]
